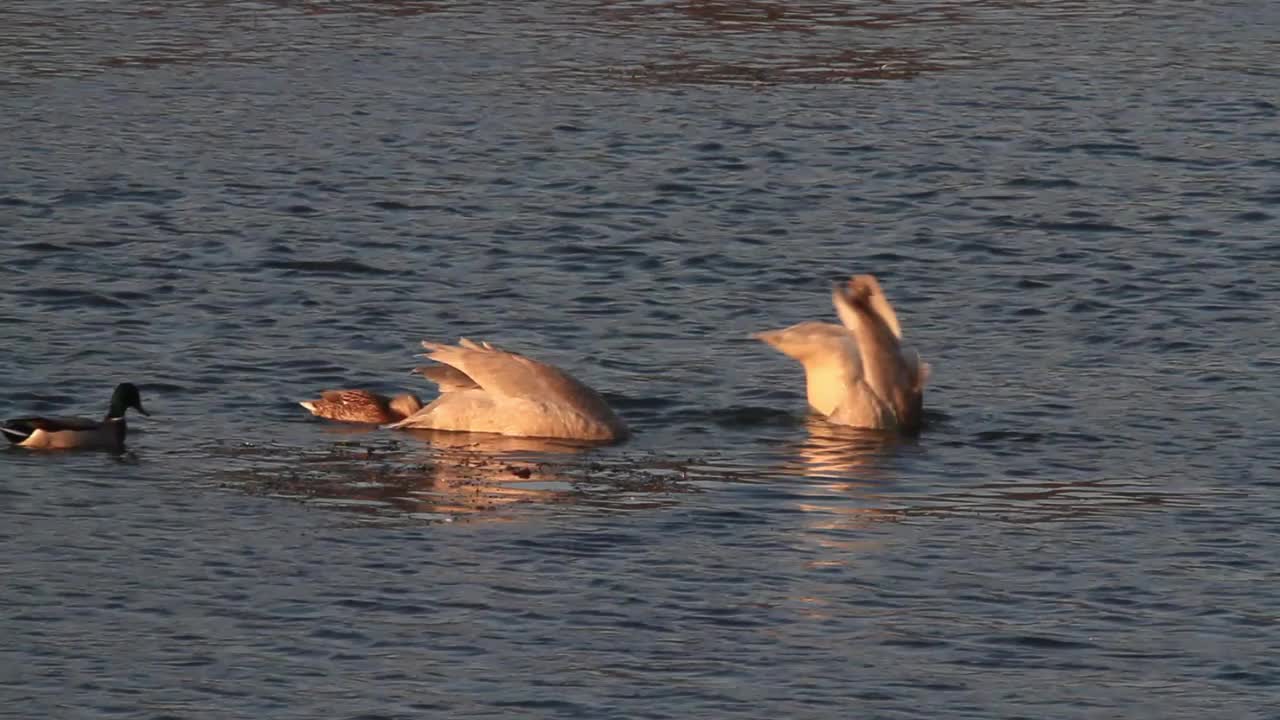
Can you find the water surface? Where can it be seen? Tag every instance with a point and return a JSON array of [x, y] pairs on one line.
[[238, 204]]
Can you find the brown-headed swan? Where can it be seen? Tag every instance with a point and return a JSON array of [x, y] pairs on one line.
[[487, 390], [858, 374]]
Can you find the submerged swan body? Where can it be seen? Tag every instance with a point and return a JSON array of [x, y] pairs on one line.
[[362, 406], [858, 374], [485, 389]]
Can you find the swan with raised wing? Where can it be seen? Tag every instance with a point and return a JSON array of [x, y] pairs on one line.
[[489, 390], [859, 373]]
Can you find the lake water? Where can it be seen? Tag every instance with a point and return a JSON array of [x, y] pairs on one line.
[[236, 205]]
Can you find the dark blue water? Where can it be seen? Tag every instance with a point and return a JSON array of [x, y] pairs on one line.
[[235, 205]]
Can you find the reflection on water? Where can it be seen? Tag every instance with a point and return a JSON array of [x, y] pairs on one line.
[[1029, 501], [805, 17], [809, 16], [849, 468], [836, 451], [392, 8], [770, 58], [868, 64], [857, 478], [150, 35], [478, 442], [840, 479], [472, 477], [489, 443], [48, 41], [851, 504]]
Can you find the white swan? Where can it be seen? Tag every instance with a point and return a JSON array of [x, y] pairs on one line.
[[485, 389], [858, 374]]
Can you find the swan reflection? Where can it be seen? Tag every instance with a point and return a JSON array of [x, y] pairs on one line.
[[850, 456]]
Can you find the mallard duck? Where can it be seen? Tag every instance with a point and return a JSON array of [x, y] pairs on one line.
[[45, 433], [362, 406], [486, 389], [858, 374]]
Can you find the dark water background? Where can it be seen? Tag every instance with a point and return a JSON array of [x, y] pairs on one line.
[[237, 204]]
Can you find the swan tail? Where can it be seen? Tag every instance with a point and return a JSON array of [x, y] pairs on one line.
[[437, 351], [473, 345]]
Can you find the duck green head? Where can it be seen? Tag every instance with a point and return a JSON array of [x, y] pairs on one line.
[[126, 396]]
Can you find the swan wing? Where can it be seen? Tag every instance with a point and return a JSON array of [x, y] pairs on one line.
[[468, 410], [448, 379], [829, 354], [509, 374]]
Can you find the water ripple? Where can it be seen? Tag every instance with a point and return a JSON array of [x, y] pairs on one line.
[[238, 205]]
